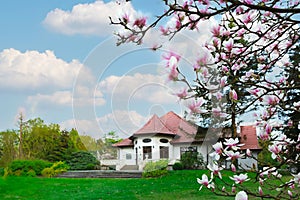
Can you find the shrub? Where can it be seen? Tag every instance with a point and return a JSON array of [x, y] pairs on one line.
[[48, 172], [1, 171], [155, 169], [82, 160], [177, 166], [31, 173], [56, 168], [191, 160], [27, 167]]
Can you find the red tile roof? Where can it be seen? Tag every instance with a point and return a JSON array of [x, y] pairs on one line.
[[124, 143], [186, 132], [154, 126], [249, 138]]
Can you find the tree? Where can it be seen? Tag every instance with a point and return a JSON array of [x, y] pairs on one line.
[[8, 147], [243, 67]]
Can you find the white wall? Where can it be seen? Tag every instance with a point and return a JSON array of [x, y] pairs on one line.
[[122, 155], [248, 163], [155, 144], [204, 149]]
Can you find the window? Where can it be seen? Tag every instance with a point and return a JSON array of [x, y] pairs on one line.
[[164, 140], [187, 149], [128, 156], [147, 152], [147, 140], [164, 152]]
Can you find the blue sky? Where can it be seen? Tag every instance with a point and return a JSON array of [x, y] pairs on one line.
[[58, 61]]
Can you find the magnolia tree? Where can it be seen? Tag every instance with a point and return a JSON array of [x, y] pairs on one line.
[[245, 66]]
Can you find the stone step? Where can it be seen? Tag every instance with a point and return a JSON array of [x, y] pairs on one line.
[[130, 167], [100, 174]]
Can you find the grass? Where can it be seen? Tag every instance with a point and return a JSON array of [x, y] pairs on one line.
[[176, 185]]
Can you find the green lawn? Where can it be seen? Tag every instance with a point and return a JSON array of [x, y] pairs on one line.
[[176, 185]]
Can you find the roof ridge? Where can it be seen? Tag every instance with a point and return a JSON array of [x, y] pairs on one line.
[[154, 125]]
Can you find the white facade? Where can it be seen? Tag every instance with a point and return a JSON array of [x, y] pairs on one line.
[[249, 163], [168, 137]]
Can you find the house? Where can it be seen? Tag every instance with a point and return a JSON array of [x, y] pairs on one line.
[[169, 136]]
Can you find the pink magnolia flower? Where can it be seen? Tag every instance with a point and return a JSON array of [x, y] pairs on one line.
[[290, 193], [233, 95], [229, 45], [223, 189], [232, 144], [219, 95], [203, 60], [241, 195], [226, 33], [218, 147], [225, 69], [233, 189], [126, 18], [163, 30], [216, 31], [215, 170], [216, 42], [254, 91], [248, 153], [233, 155], [248, 17], [233, 168], [239, 179], [205, 182], [263, 135], [195, 106], [182, 93], [223, 81], [241, 32], [261, 181], [275, 150], [173, 74], [218, 113], [260, 191], [268, 129], [239, 10], [271, 100], [248, 1], [171, 58], [140, 22]]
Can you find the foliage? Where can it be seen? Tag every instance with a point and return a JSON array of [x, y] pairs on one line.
[[82, 160], [26, 167], [155, 169], [1, 171], [191, 160], [38, 141], [177, 166], [8, 148], [55, 169]]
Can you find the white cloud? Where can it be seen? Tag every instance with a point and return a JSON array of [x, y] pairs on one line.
[[33, 70], [84, 127], [125, 123], [146, 87], [63, 98], [85, 96], [87, 19]]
